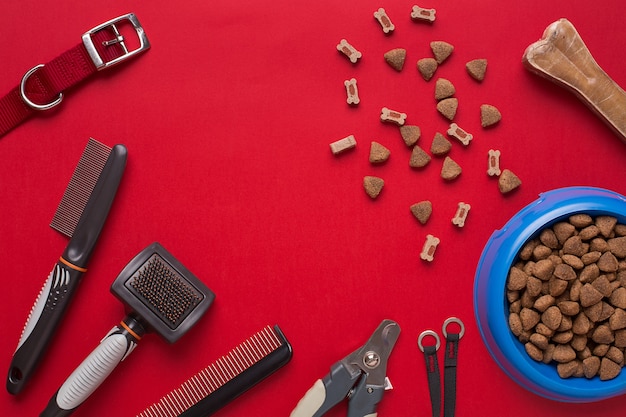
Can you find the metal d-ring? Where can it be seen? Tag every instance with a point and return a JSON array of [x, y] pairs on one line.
[[26, 100], [428, 333], [450, 321]]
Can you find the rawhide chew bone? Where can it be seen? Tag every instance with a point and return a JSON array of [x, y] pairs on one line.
[[383, 19], [392, 116], [352, 91], [461, 214], [562, 57], [348, 50], [494, 163], [459, 133], [419, 13], [430, 246]]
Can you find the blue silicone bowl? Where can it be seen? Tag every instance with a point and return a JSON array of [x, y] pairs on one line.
[[491, 306]]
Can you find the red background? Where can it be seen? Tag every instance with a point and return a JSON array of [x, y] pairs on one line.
[[227, 120]]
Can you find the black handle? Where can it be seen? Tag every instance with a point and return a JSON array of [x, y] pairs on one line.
[[44, 318]]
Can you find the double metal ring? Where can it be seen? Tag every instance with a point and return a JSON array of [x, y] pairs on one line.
[[26, 100]]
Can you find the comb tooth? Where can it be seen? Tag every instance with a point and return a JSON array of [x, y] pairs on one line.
[[79, 189]]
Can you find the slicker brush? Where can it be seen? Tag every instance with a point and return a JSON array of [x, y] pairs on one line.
[[160, 295]]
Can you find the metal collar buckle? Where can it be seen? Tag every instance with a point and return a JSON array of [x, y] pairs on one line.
[[119, 39]]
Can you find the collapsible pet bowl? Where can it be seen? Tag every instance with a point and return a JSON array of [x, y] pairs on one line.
[[491, 305]]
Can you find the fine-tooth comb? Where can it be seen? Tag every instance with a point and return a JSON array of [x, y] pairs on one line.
[[227, 378], [81, 216], [161, 295]]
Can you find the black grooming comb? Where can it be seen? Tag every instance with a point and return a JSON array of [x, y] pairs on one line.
[[81, 216], [227, 378], [161, 295]]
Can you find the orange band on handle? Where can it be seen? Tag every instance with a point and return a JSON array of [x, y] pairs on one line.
[[129, 330], [71, 265]]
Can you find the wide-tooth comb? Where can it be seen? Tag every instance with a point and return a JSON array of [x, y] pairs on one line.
[[227, 378], [161, 295], [80, 187]]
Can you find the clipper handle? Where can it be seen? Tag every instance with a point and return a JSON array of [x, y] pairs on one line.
[[113, 349], [42, 322], [562, 57]]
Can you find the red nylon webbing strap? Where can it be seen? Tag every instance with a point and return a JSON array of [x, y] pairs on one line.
[[45, 84]]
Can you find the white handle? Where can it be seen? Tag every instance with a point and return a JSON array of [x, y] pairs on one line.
[[311, 402]]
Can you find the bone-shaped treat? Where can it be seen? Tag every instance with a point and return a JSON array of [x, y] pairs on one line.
[[343, 145], [348, 50], [383, 19], [461, 214], [494, 163], [352, 91], [562, 57], [419, 13], [459, 133], [430, 246], [392, 116]]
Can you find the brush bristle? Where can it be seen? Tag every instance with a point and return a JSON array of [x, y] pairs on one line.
[[80, 187], [162, 289]]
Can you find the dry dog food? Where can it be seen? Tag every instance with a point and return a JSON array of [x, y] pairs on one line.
[[448, 107], [352, 91], [493, 168], [430, 246], [349, 51], [440, 146], [443, 89], [567, 296], [410, 134], [392, 116], [422, 211], [378, 153], [450, 169], [441, 50], [489, 115], [508, 181], [343, 145], [373, 185], [427, 67], [419, 13], [395, 58], [477, 68], [383, 19], [461, 214], [419, 158], [456, 131]]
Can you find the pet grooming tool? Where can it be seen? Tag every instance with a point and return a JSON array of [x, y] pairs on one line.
[[161, 295], [80, 215], [224, 380]]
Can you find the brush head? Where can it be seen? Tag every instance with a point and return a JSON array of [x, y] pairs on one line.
[[162, 292]]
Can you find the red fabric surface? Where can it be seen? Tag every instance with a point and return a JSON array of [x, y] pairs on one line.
[[227, 120]]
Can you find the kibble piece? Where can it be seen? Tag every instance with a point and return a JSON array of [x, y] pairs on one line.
[[534, 351], [450, 169], [603, 335], [618, 297], [573, 261], [427, 67], [601, 350], [515, 324], [575, 246], [527, 250], [599, 244], [422, 211], [508, 181], [378, 153], [564, 272], [517, 279], [591, 257], [606, 224], [563, 337], [443, 89], [541, 252], [589, 295], [373, 185], [589, 273], [581, 324], [603, 285], [343, 145], [349, 51], [448, 107], [441, 50], [608, 262], [567, 369], [534, 287], [440, 146], [620, 338], [615, 355], [419, 157], [489, 115], [383, 19], [544, 330], [579, 343], [617, 321], [570, 308], [529, 318], [548, 238], [477, 68], [543, 269], [564, 353], [410, 134], [563, 231], [617, 246], [419, 13], [552, 317], [580, 220], [544, 302], [609, 369], [589, 232], [395, 58], [591, 366]]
